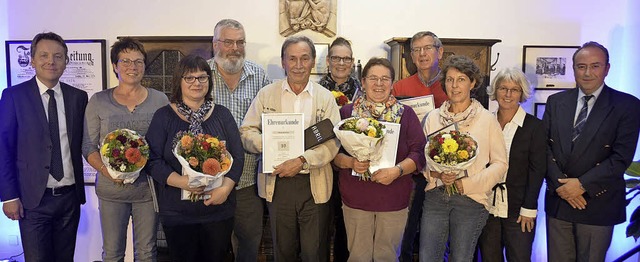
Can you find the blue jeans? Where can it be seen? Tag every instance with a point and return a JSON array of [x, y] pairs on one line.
[[114, 220], [456, 218]]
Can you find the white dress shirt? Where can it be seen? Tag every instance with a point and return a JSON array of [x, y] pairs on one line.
[[68, 178]]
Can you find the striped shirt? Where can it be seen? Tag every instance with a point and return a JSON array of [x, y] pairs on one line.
[[238, 101]]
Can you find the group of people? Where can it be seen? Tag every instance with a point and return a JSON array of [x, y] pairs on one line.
[[582, 146]]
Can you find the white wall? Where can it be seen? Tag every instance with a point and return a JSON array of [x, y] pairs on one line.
[[366, 23]]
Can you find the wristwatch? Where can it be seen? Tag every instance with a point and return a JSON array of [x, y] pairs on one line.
[[305, 164]]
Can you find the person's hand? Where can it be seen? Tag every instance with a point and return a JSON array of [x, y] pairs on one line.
[[578, 202], [526, 223], [13, 210], [570, 188], [359, 167], [385, 176], [218, 195], [448, 178], [288, 168], [183, 183], [105, 172]]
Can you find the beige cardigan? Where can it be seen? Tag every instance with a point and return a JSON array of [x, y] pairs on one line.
[[268, 100], [491, 150]]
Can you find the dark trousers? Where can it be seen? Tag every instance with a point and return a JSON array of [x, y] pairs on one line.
[[340, 249], [199, 242], [412, 229], [568, 241], [49, 230], [298, 224], [247, 230], [505, 233]]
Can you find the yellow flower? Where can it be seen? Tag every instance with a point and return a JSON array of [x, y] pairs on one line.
[[213, 141], [371, 131], [449, 145], [463, 154], [103, 150], [337, 94]]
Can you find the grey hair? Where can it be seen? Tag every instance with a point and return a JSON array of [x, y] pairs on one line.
[[422, 34], [226, 23], [514, 75], [297, 39]]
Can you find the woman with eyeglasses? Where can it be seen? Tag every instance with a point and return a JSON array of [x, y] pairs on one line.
[[340, 64], [340, 78], [513, 202], [375, 212], [458, 217], [128, 105], [201, 230]]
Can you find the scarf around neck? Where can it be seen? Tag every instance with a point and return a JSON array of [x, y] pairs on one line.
[[464, 119], [390, 111], [195, 118]]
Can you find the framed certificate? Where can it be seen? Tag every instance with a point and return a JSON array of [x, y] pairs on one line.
[[422, 105], [282, 138]]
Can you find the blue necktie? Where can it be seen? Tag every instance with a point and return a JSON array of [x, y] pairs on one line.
[[56, 168], [582, 118]]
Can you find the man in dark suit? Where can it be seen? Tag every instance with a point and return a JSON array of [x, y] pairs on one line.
[[41, 176], [593, 133]]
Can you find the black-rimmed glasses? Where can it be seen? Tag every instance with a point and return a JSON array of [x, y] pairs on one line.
[[345, 59], [191, 79]]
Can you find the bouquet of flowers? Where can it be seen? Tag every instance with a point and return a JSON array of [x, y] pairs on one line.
[[451, 152], [204, 159], [341, 99], [124, 153], [361, 138]]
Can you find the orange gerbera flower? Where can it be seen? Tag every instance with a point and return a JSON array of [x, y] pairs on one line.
[[133, 155], [211, 166]]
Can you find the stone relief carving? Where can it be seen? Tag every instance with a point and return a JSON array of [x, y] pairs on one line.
[[316, 15]]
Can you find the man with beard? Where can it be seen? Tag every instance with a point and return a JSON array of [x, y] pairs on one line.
[[236, 82]]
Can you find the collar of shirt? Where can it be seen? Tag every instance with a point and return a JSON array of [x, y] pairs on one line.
[[595, 94], [43, 88], [287, 88]]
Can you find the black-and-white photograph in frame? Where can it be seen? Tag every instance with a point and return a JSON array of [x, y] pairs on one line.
[[86, 70], [549, 67]]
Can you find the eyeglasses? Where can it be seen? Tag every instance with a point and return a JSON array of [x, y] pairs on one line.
[[374, 79], [345, 59], [129, 62], [229, 43], [419, 49], [583, 67], [191, 79], [504, 90]]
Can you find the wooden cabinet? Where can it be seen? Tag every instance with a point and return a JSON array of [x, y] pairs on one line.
[[477, 49]]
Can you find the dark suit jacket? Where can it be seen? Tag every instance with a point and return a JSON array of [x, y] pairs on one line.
[[600, 155], [25, 144], [527, 165]]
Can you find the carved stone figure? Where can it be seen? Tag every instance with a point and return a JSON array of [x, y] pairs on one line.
[[316, 15]]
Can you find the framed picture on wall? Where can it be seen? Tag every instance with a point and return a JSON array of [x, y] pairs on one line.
[[322, 51], [86, 70], [538, 109], [549, 67]]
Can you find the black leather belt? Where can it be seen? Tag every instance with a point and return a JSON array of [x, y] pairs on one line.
[[58, 191]]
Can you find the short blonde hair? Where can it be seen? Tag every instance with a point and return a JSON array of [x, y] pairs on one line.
[[514, 75]]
